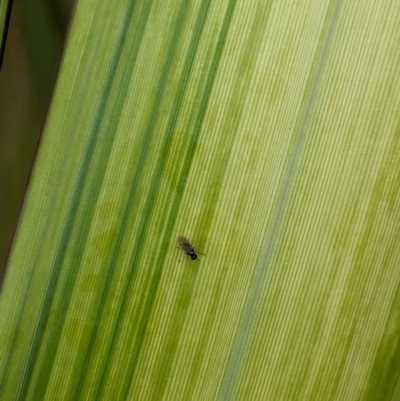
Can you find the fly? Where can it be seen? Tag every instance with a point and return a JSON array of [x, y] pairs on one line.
[[187, 248]]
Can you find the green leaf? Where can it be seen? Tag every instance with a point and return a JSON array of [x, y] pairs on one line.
[[5, 11], [265, 132]]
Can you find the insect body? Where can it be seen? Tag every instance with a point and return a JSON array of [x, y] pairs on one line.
[[187, 248]]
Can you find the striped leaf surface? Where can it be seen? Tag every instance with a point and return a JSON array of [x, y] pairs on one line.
[[267, 133]]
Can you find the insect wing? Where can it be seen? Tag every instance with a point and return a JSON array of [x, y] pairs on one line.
[[184, 243]]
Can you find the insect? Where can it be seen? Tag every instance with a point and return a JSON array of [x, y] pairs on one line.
[[187, 248]]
